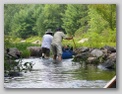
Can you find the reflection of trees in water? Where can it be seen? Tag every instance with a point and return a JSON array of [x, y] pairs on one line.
[[91, 72]]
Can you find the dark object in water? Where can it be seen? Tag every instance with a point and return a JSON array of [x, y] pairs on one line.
[[111, 83], [109, 64], [14, 74], [67, 54]]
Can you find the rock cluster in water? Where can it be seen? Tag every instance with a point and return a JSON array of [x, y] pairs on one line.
[[106, 56]]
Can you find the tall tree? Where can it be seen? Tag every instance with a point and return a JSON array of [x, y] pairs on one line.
[[96, 23], [74, 17], [108, 13], [24, 22], [50, 17], [9, 11]]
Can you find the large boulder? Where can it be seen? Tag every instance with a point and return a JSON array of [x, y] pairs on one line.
[[35, 51], [96, 53], [92, 60], [109, 49], [81, 56], [81, 50], [105, 56], [112, 57], [108, 64], [13, 52]]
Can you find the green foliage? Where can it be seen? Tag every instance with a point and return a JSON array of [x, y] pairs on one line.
[[11, 42], [95, 39], [82, 20], [9, 11], [98, 40], [68, 42], [107, 12], [50, 17], [96, 23], [12, 66], [81, 30], [27, 21], [74, 17], [23, 48], [33, 39], [9, 65], [23, 22], [25, 53]]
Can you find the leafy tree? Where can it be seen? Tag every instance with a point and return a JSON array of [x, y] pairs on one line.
[[9, 11], [96, 22], [75, 17], [50, 17], [24, 22], [107, 12]]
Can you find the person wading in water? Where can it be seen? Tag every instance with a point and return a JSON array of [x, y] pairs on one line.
[[46, 43], [56, 44]]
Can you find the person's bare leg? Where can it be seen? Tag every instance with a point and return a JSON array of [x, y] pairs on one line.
[[59, 58], [54, 57]]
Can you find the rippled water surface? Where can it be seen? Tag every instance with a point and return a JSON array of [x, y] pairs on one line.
[[66, 74]]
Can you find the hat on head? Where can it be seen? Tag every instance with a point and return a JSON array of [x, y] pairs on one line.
[[48, 31], [58, 29]]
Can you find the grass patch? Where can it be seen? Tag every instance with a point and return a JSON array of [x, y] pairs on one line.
[[33, 38], [95, 40]]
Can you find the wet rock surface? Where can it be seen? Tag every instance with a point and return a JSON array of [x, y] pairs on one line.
[[105, 56]]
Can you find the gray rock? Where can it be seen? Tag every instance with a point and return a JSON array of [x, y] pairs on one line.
[[91, 59], [35, 51], [108, 64], [97, 53], [14, 52]]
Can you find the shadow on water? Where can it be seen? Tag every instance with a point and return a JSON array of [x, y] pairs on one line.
[[66, 74]]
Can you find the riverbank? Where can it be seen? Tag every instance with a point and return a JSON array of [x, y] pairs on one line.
[[106, 56]]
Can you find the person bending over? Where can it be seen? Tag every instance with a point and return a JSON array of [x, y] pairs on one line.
[[57, 44]]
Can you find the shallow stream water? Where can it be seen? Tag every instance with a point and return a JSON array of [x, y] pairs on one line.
[[66, 74]]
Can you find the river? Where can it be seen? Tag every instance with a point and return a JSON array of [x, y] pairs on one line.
[[66, 74]]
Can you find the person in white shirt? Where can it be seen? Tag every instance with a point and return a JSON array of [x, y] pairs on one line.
[[46, 43], [57, 44]]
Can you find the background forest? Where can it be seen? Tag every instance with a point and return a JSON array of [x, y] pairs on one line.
[[28, 22]]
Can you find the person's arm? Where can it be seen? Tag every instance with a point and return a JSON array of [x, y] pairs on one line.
[[69, 38], [66, 37]]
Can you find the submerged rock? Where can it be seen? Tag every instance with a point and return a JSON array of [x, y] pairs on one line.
[[14, 74]]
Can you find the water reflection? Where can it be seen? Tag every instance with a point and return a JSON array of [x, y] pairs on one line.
[[67, 74]]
